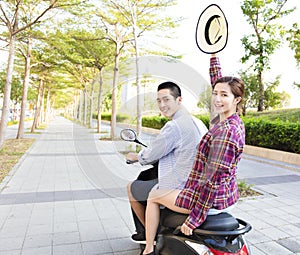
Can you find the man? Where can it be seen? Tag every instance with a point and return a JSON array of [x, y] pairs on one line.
[[173, 149]]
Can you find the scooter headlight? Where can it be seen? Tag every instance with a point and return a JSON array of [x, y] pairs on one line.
[[199, 248]]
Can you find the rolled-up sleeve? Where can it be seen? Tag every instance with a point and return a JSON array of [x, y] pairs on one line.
[[214, 69]]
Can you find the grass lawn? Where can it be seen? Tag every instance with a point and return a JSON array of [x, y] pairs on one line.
[[11, 152]]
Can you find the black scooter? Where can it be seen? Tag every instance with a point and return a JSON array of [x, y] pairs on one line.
[[220, 234]]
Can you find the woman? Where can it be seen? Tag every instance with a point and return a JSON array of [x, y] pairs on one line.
[[212, 185]]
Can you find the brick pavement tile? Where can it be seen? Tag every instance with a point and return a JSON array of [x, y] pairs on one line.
[[292, 229], [119, 244], [37, 251], [40, 229], [106, 209], [116, 228], [274, 221], [293, 219], [37, 241], [59, 227], [14, 228], [132, 252], [275, 233], [258, 223], [66, 238], [255, 251], [97, 247], [13, 252], [291, 243], [65, 214], [12, 243], [255, 237], [273, 248], [91, 231], [68, 249]]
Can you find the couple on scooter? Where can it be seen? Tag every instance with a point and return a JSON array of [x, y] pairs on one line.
[[193, 181]]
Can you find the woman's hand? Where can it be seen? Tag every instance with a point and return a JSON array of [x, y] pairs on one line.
[[186, 230]]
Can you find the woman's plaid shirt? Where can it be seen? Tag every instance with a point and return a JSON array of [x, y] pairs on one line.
[[212, 182], [215, 71]]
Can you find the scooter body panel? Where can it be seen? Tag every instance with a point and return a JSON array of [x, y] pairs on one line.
[[219, 235], [170, 244]]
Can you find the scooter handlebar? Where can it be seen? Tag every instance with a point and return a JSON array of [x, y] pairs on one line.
[[128, 161]]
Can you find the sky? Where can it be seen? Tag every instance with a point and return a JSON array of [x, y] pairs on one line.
[[282, 62]]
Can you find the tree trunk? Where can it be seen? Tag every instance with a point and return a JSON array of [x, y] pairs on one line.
[[91, 105], [41, 119], [38, 106], [20, 133], [113, 121], [261, 93], [80, 114], [48, 106], [137, 79], [7, 89], [99, 108], [76, 105], [85, 106]]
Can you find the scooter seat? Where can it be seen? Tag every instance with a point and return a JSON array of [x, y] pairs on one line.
[[220, 222]]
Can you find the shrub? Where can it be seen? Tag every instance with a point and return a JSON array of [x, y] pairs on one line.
[[120, 117], [156, 122], [272, 134], [205, 119], [276, 134]]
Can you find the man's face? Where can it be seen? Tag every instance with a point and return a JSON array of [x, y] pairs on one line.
[[167, 104]]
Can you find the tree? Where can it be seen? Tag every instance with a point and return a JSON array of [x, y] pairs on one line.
[[274, 99], [294, 42], [266, 38], [116, 32], [27, 57], [142, 16], [205, 99], [95, 52], [251, 96], [13, 15], [16, 90]]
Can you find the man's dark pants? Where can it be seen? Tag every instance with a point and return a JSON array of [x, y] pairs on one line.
[[140, 189]]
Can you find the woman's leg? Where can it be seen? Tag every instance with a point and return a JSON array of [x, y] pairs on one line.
[[156, 198]]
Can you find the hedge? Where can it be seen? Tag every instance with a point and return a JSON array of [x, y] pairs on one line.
[[277, 134], [156, 122], [107, 117], [272, 134]]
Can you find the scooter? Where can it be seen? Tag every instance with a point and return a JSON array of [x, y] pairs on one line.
[[220, 234]]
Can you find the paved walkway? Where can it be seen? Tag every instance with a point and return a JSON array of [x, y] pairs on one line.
[[67, 195]]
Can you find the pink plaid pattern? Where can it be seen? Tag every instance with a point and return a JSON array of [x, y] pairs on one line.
[[212, 182]]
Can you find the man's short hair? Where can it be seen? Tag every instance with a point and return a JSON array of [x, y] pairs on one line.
[[175, 90]]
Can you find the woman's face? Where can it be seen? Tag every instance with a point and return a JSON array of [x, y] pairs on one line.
[[223, 101], [167, 104]]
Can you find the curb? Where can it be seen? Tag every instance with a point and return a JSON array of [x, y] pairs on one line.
[[282, 156]]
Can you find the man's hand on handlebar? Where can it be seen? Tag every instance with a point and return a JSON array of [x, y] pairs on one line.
[[131, 157]]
